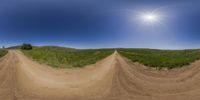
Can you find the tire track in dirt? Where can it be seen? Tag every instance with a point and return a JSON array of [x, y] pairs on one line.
[[113, 78]]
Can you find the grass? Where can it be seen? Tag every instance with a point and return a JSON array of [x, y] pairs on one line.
[[60, 57], [3, 52], [161, 58]]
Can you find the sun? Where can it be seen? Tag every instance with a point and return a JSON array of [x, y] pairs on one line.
[[150, 18]]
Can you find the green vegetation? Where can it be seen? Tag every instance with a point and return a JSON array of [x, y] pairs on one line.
[[60, 57], [161, 58], [3, 52], [26, 46]]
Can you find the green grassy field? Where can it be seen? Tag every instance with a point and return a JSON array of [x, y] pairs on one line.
[[3, 52], [161, 58], [60, 57]]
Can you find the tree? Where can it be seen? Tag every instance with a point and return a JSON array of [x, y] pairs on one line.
[[26, 46]]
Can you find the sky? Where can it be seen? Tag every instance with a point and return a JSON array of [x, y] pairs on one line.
[[101, 23]]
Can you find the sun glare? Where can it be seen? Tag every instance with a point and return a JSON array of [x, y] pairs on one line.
[[150, 18]]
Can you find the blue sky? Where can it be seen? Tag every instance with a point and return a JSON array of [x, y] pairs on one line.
[[100, 23]]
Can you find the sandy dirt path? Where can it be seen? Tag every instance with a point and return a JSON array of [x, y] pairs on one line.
[[113, 78]]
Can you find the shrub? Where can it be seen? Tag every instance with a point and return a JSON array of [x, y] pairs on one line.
[[3, 52], [26, 46]]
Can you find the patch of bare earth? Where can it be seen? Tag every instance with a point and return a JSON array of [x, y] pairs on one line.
[[113, 78]]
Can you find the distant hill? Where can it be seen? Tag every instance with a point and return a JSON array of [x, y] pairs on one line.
[[57, 48], [44, 47], [14, 47]]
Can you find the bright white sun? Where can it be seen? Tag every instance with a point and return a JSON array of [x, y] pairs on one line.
[[150, 18]]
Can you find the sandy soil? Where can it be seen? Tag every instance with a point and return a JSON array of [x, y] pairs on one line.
[[113, 78]]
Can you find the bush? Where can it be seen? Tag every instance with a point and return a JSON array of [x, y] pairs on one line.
[[3, 52], [26, 46]]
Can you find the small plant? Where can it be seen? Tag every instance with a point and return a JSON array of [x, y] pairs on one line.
[[26, 46], [3, 52]]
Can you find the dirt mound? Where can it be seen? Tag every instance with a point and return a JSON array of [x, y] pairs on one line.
[[113, 78]]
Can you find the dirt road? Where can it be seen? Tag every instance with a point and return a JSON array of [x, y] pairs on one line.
[[113, 78]]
